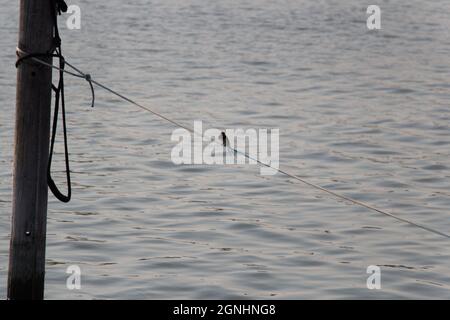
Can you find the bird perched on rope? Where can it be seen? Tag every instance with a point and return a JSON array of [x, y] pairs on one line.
[[224, 138]]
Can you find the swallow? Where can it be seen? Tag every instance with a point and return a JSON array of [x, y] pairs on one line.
[[224, 139]]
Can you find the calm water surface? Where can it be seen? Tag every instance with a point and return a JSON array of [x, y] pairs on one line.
[[363, 113]]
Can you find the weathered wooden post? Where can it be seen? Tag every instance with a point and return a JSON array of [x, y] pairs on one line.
[[29, 206]]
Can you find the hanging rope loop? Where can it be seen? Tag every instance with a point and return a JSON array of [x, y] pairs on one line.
[[59, 6]]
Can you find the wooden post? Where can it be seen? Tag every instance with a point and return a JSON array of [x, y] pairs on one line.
[[29, 206]]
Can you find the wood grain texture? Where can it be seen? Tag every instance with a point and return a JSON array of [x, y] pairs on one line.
[[33, 99]]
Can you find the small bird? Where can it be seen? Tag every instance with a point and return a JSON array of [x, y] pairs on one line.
[[224, 139]]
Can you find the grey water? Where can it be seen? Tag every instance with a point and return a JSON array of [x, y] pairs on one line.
[[364, 113]]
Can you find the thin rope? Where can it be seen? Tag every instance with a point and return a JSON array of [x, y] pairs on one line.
[[87, 77], [337, 195]]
